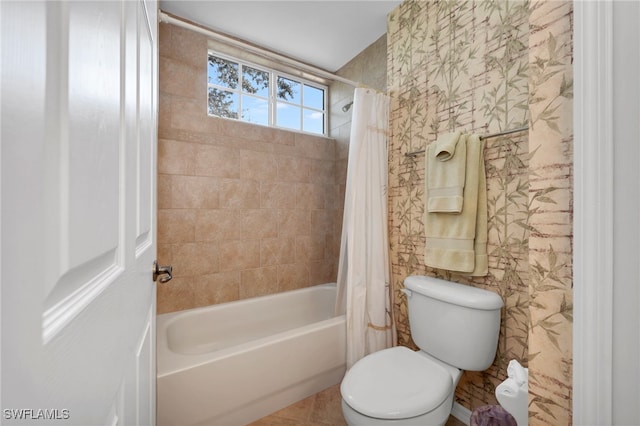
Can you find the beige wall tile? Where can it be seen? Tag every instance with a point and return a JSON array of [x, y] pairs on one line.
[[277, 195], [216, 288], [315, 147], [239, 194], [293, 169], [194, 259], [322, 271], [294, 223], [332, 197], [176, 295], [259, 223], [258, 282], [259, 166], [322, 222], [310, 196], [323, 171], [309, 248], [176, 158], [165, 255], [181, 79], [178, 226], [239, 255], [164, 110], [294, 276], [191, 115], [164, 191], [194, 192], [234, 196], [184, 45], [277, 251], [217, 225], [217, 161]]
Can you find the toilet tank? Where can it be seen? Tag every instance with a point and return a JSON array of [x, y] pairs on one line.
[[456, 323]]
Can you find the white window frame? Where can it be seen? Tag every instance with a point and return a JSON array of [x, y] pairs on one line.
[[272, 99]]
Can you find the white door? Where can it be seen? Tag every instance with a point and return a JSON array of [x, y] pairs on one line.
[[78, 155]]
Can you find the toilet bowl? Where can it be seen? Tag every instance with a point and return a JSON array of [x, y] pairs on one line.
[[407, 388], [456, 328]]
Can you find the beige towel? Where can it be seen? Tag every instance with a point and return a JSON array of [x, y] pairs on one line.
[[458, 241], [445, 164]]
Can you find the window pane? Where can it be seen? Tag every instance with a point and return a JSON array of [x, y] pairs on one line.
[[223, 103], [222, 72], [313, 98], [288, 90], [255, 81], [255, 110], [288, 116], [313, 122]]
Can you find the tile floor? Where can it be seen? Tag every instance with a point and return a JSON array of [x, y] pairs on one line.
[[321, 409]]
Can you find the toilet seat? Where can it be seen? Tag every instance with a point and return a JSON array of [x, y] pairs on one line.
[[396, 383]]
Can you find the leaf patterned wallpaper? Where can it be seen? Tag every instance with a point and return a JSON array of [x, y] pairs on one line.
[[485, 67]]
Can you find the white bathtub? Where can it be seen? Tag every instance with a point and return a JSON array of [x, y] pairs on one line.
[[233, 363]]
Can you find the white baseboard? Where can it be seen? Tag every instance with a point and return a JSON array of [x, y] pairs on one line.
[[461, 413]]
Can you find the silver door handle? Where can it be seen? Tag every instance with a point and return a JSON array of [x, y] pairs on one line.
[[160, 271]]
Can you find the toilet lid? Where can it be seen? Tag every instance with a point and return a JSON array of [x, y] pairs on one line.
[[395, 383]]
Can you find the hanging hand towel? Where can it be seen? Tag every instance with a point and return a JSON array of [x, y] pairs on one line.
[[457, 242], [481, 267], [445, 165]]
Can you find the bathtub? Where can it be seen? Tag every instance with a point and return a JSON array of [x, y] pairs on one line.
[[233, 363]]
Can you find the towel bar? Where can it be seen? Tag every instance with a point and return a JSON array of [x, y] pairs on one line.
[[492, 135]]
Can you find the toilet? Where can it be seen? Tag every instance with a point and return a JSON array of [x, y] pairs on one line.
[[456, 327]]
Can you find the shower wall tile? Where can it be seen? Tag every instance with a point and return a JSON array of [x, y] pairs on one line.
[[216, 288], [258, 166], [239, 194], [218, 161], [277, 251], [258, 282], [217, 225], [310, 196], [183, 45], [178, 226], [276, 195], [293, 276], [239, 255], [309, 248], [186, 114], [164, 191], [294, 222], [177, 296], [233, 197], [322, 271], [293, 169], [181, 79], [176, 158], [259, 223], [194, 192], [195, 259]]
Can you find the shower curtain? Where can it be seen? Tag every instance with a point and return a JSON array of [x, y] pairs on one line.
[[363, 271]]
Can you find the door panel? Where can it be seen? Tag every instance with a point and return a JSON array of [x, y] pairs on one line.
[[78, 206]]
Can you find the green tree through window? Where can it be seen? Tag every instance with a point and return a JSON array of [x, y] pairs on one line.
[[241, 91]]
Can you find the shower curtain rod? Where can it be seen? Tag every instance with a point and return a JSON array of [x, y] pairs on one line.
[[285, 60], [492, 135]]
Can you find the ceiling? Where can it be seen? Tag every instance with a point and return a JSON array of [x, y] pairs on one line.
[[326, 34]]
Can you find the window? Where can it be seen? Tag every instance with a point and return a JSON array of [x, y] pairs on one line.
[[262, 96]]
